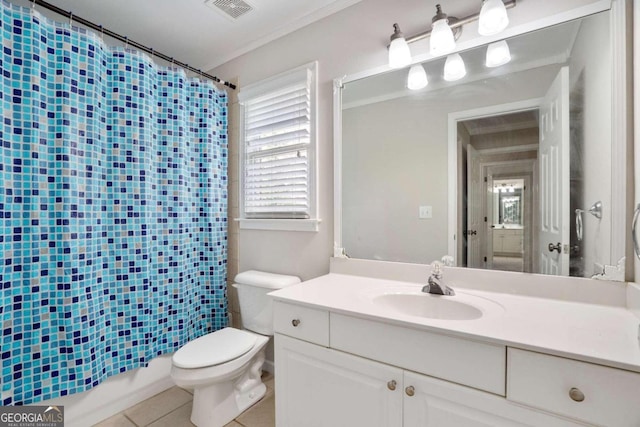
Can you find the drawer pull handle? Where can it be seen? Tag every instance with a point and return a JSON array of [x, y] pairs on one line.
[[410, 390], [576, 394], [391, 385], [295, 322]]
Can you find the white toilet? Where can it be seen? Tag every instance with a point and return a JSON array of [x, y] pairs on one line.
[[224, 367]]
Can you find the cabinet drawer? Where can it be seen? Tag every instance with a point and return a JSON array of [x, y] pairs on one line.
[[545, 382], [471, 363], [305, 323]]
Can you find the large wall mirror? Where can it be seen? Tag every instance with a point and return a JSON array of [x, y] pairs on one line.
[[509, 168]]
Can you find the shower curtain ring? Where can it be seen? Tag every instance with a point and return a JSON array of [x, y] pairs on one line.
[[70, 19]]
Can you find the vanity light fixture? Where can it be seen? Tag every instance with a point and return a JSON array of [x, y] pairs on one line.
[[399, 53], [442, 39], [444, 31], [443, 34], [498, 54], [493, 18], [417, 78], [454, 68]]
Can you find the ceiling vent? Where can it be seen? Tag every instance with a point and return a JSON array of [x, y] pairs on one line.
[[233, 9]]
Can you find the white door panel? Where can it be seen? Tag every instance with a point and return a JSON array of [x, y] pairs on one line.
[[554, 177], [319, 387]]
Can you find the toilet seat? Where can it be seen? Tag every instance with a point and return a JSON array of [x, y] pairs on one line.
[[214, 348]]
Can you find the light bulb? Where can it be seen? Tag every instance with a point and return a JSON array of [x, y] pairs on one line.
[[417, 78], [442, 40], [498, 54], [454, 68], [399, 53], [493, 18]]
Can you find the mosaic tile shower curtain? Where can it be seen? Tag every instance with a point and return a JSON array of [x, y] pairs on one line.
[[112, 208]]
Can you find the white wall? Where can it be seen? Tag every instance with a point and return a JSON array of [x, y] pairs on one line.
[[593, 72], [346, 43], [636, 163], [395, 160]]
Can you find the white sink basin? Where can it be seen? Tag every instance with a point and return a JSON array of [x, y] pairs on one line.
[[429, 306]]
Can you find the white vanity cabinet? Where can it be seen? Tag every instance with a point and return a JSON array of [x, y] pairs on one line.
[[369, 379], [507, 241]]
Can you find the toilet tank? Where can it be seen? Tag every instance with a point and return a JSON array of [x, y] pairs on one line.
[[256, 308]]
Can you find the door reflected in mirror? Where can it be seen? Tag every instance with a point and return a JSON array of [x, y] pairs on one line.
[[500, 160]]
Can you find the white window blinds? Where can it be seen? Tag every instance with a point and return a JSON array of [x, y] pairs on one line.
[[277, 143]]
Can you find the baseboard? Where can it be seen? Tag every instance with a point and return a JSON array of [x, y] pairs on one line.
[[115, 394], [269, 366], [119, 404]]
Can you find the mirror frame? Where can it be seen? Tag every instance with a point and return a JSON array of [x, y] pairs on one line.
[[621, 140]]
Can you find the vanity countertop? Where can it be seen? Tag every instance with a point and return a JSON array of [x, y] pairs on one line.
[[606, 335]]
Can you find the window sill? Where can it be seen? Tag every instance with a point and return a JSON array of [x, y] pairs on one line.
[[279, 224]]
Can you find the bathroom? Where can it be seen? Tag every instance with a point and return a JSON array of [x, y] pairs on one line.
[[343, 42]]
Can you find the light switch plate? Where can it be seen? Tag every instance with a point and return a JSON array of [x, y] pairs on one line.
[[425, 212]]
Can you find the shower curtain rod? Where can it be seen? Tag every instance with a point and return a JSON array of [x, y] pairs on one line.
[[127, 41]]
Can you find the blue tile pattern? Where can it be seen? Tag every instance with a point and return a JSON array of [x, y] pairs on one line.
[[113, 208]]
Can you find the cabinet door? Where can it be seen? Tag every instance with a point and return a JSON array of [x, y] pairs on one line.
[[513, 243], [435, 403], [498, 237], [319, 387]]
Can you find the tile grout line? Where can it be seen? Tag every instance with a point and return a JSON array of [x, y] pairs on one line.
[[130, 420], [169, 413]]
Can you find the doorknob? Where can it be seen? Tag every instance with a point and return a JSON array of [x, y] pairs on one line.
[[557, 247]]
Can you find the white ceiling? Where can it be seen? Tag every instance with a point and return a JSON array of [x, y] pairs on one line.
[[195, 33], [503, 123]]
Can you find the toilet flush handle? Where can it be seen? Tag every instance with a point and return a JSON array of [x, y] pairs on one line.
[[295, 322]]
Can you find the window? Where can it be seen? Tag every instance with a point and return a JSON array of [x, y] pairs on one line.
[[278, 153]]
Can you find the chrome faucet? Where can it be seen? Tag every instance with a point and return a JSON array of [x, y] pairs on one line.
[[434, 284]]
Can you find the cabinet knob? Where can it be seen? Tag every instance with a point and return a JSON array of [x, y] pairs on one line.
[[391, 385], [576, 394], [410, 390], [295, 322]]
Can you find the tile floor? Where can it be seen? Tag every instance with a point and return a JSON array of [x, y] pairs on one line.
[[172, 408]]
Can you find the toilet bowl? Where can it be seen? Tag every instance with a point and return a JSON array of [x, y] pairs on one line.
[[222, 389], [224, 367]]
